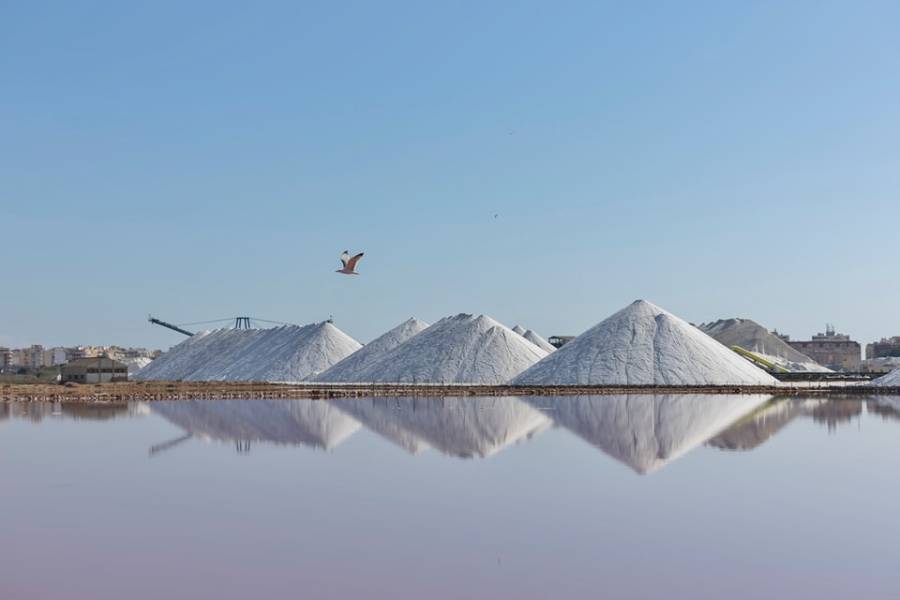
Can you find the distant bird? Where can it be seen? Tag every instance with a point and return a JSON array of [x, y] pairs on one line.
[[349, 263]]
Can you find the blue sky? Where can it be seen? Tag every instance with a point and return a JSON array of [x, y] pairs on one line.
[[201, 160]]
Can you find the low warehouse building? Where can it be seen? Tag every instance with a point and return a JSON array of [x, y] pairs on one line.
[[94, 370]]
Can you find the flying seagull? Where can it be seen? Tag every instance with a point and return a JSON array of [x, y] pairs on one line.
[[349, 263]]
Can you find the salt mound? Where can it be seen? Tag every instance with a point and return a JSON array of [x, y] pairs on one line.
[[647, 432], [458, 349], [643, 344], [289, 353], [519, 329], [752, 336], [368, 354], [313, 423], [538, 341], [137, 363], [892, 379]]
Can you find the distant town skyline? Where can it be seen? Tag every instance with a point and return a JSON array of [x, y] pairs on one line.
[[542, 166]]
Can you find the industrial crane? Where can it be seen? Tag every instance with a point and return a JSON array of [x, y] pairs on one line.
[[239, 323]]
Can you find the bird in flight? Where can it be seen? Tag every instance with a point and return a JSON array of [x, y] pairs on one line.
[[349, 263]]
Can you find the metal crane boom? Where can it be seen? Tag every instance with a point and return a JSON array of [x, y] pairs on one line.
[[156, 321]]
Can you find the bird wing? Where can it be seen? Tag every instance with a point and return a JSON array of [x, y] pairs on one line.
[[354, 260], [345, 256]]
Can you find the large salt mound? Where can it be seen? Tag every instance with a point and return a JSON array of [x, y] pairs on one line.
[[458, 349], [290, 353], [538, 341], [752, 336], [371, 352], [643, 344], [647, 432]]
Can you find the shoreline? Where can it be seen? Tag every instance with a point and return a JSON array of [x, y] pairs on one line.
[[212, 390]]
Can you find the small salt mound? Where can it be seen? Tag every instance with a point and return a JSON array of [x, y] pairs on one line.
[[137, 363], [752, 336], [892, 379], [371, 352], [538, 341], [647, 432], [296, 422], [519, 329], [285, 354], [458, 349], [644, 345], [289, 354]]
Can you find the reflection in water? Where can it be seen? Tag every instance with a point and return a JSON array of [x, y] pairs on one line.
[[756, 428], [314, 423], [886, 406], [643, 431], [647, 432], [38, 411], [463, 427]]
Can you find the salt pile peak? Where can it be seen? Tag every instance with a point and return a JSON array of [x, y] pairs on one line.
[[643, 344], [371, 352], [752, 336], [538, 341], [457, 349], [519, 329], [290, 353]]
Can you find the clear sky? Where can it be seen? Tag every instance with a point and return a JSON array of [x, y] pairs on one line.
[[207, 159]]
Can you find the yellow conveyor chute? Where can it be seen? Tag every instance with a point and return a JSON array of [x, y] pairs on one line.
[[759, 360]]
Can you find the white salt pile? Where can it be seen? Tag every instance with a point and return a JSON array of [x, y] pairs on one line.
[[538, 341], [892, 379], [752, 336], [647, 432], [289, 353], [295, 422], [137, 363], [643, 344], [462, 427], [371, 352], [458, 349], [519, 329]]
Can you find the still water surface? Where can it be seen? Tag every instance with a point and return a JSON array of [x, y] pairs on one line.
[[612, 497]]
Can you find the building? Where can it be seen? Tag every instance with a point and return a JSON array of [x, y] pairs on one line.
[[559, 341], [5, 359], [886, 347], [94, 370], [833, 350]]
